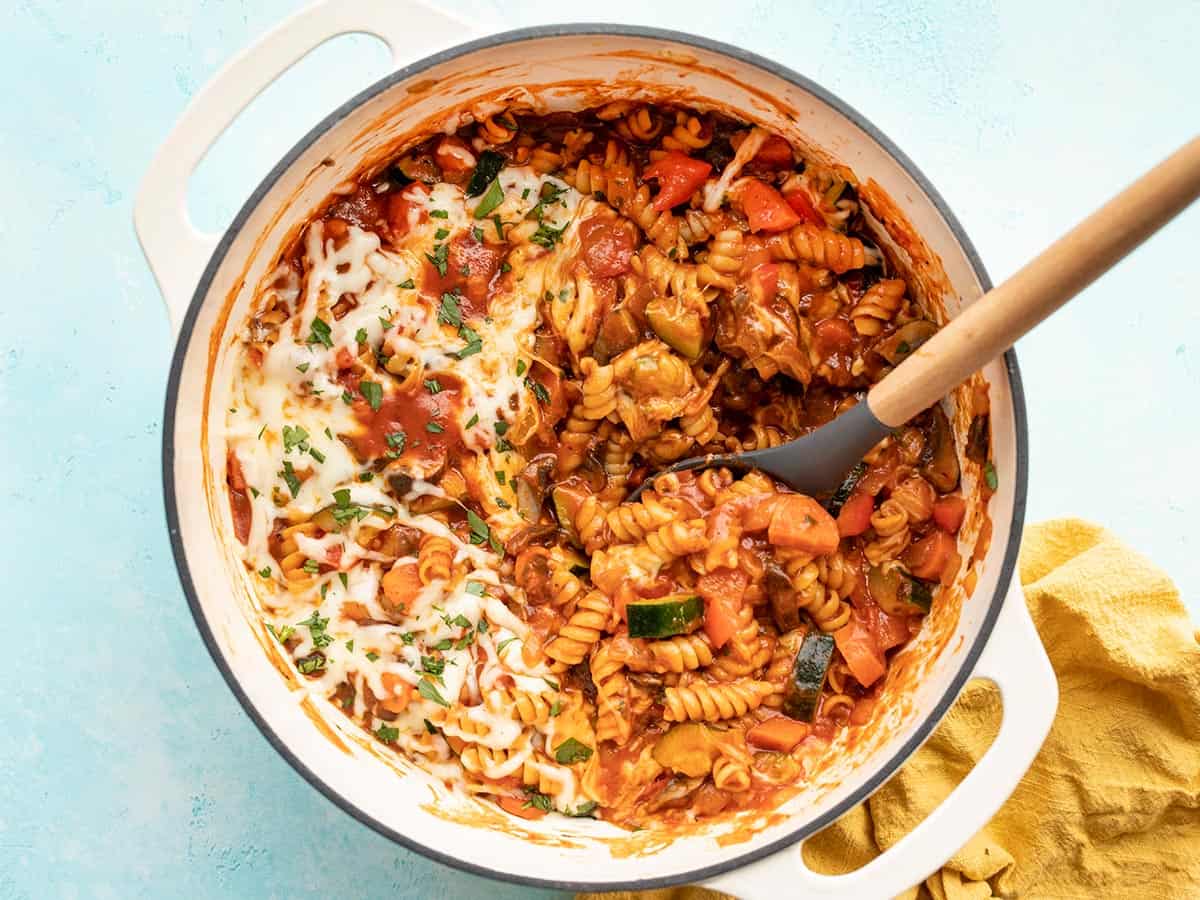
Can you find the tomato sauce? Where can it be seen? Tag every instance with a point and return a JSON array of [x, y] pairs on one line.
[[607, 246], [364, 208], [472, 269], [239, 503], [411, 413]]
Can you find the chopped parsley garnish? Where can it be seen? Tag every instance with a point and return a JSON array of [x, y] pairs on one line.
[[433, 386], [289, 476], [572, 751], [310, 664], [345, 511], [525, 194], [449, 312], [539, 390], [443, 644], [475, 588], [262, 431], [438, 258], [395, 441], [434, 428], [499, 223], [547, 237], [373, 392], [474, 343], [347, 398], [501, 477], [477, 233], [408, 637], [489, 166], [265, 572], [441, 234], [387, 733], [254, 491], [284, 634], [505, 267], [406, 285], [433, 665], [344, 579], [584, 810], [426, 689], [316, 629], [430, 727], [372, 655], [493, 198], [480, 533], [473, 421], [989, 475], [385, 324], [903, 348], [555, 708], [303, 367], [501, 426], [553, 684], [311, 566], [538, 800], [438, 214], [316, 454], [502, 503], [293, 437], [320, 333], [504, 643], [328, 433], [464, 270], [350, 645], [520, 367]]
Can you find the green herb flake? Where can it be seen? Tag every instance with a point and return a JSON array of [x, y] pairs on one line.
[[430, 727], [501, 426], [385, 324], [473, 421], [293, 438], [505, 267], [504, 643], [434, 428], [489, 166], [426, 689], [344, 579], [289, 476], [433, 386], [441, 234], [555, 708], [350, 645], [989, 475], [502, 503], [474, 588], [320, 333], [480, 533], [492, 198], [254, 491], [347, 398], [552, 683], [499, 224], [572, 751], [310, 664], [311, 566], [438, 214], [539, 390], [538, 801], [477, 233], [406, 285], [438, 258], [373, 392], [433, 665], [316, 454], [261, 432], [584, 810], [283, 634], [372, 655], [387, 733], [520, 367], [303, 367]]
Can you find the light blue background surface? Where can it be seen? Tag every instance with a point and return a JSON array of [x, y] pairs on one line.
[[126, 767]]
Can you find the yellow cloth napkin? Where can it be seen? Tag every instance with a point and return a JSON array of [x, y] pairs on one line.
[[1111, 805]]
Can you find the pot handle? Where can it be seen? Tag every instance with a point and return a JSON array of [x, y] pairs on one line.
[[176, 250], [1016, 662]]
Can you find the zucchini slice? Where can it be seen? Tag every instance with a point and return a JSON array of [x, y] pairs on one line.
[[845, 489], [803, 694], [662, 617]]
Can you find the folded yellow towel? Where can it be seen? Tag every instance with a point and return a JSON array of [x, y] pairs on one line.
[[1111, 805]]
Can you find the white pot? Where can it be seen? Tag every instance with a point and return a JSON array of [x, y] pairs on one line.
[[208, 285]]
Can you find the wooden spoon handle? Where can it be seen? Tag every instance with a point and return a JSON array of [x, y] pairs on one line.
[[992, 324]]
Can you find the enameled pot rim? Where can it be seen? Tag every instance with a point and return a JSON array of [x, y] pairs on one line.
[[969, 659]]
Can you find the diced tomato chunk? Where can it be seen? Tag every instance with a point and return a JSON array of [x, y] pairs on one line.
[[855, 516], [890, 631], [948, 513], [801, 522], [757, 510], [927, 558], [406, 209], [778, 733], [454, 156], [765, 209], [722, 591], [859, 648], [803, 207], [764, 280], [519, 807], [834, 336], [678, 175], [775, 153]]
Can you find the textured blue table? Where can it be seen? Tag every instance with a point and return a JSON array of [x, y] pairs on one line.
[[126, 767]]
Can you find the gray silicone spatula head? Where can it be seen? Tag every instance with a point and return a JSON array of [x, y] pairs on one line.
[[815, 464]]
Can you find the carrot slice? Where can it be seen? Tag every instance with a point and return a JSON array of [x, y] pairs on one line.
[[778, 733], [722, 592], [801, 522]]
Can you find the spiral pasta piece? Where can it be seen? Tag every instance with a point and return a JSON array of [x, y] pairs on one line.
[[527, 707], [878, 306], [676, 539], [892, 535], [701, 701], [731, 665], [496, 129], [681, 653], [582, 630], [613, 722], [435, 558], [633, 521], [819, 246], [726, 253], [599, 390], [731, 775], [688, 134], [292, 560]]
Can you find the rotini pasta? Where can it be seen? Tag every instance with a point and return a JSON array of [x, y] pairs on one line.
[[452, 381]]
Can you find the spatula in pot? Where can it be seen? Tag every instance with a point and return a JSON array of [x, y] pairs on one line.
[[818, 462]]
